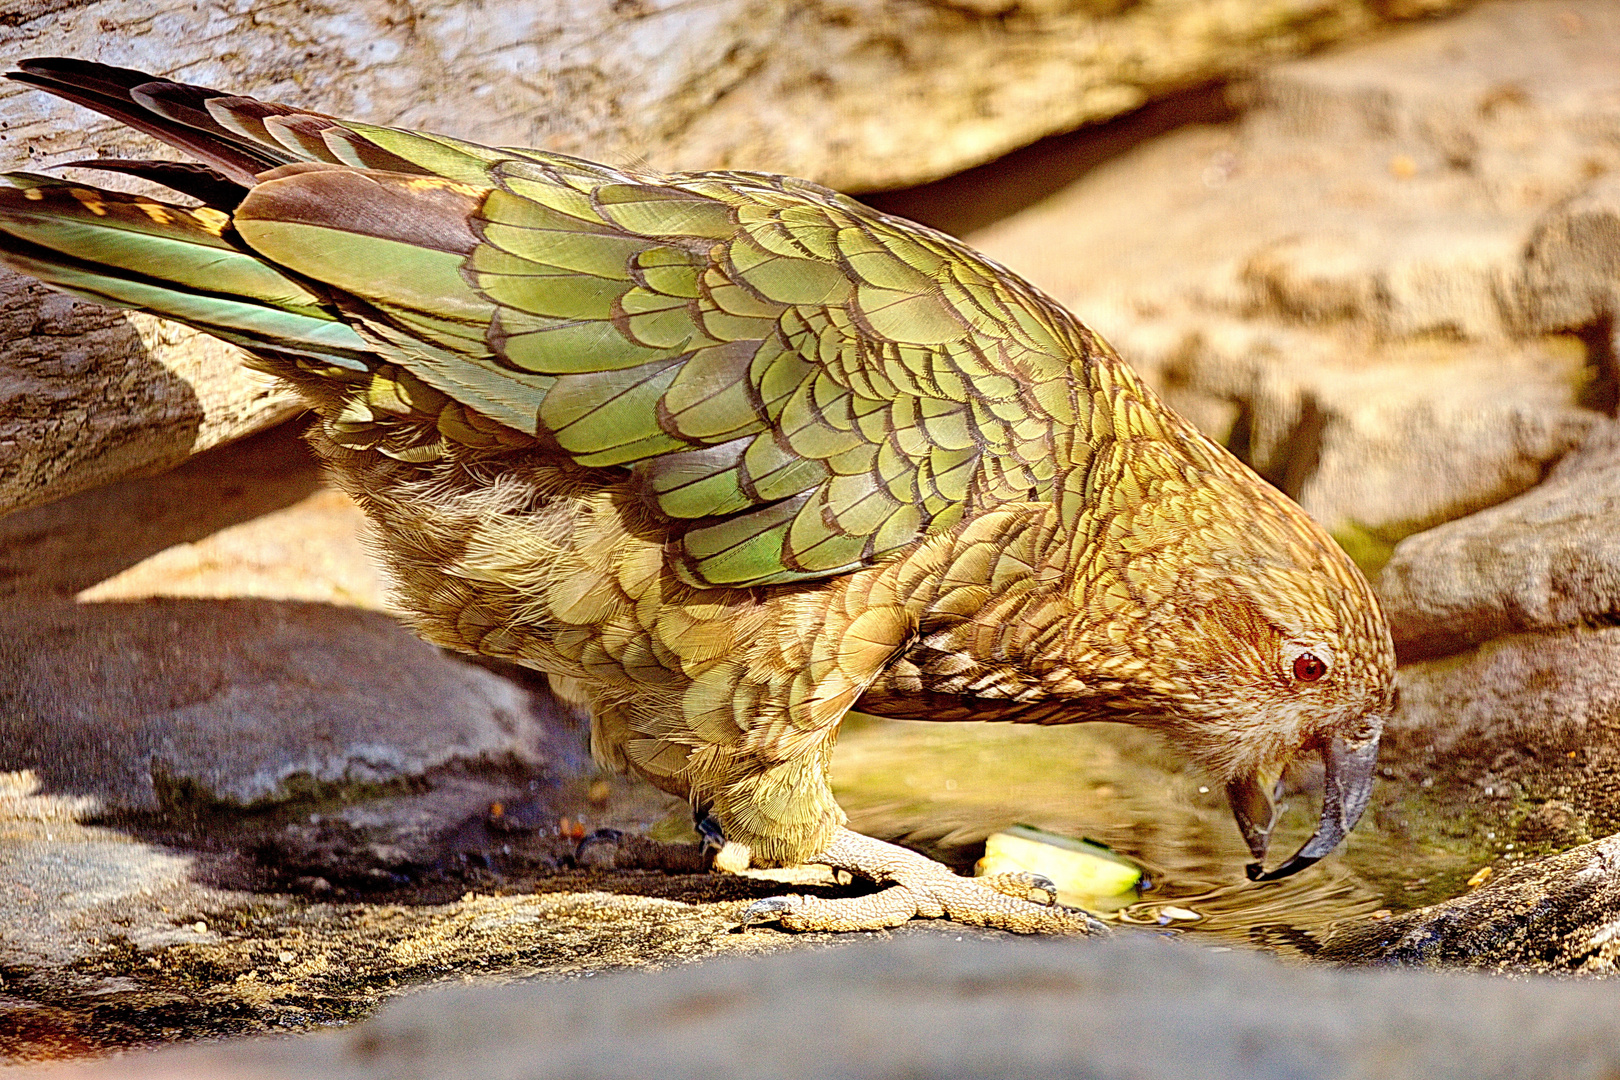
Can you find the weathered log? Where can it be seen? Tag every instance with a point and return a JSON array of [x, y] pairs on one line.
[[89, 395]]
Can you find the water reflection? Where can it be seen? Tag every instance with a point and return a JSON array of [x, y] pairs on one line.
[[944, 788]]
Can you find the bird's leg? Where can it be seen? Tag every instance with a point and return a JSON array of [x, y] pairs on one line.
[[918, 887]]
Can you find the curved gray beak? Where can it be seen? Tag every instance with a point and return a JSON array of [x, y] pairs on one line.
[[1347, 787]]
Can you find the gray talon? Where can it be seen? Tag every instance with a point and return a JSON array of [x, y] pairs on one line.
[[767, 910], [1047, 886]]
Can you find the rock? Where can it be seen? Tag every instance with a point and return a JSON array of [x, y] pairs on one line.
[[861, 94], [1502, 731], [1573, 263], [115, 940], [931, 1006], [236, 796], [243, 702], [1557, 914], [222, 670], [1495, 756], [1364, 284], [1546, 560], [251, 520]]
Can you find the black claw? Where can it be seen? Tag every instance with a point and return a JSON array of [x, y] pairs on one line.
[[709, 829], [768, 910]]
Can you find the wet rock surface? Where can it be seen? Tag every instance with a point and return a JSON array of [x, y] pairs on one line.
[[1560, 913], [1511, 728], [114, 942]]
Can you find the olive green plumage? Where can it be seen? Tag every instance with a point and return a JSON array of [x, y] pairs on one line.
[[730, 453]]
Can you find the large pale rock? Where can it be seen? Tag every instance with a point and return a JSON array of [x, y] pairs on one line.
[[1546, 560], [861, 94], [242, 701], [1505, 742], [934, 1007], [1342, 285], [204, 635]]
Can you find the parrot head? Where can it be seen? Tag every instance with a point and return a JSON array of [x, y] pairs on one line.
[[1236, 625]]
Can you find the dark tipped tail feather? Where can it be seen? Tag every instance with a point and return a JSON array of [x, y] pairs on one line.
[[237, 138], [190, 264], [193, 265], [176, 113], [178, 262]]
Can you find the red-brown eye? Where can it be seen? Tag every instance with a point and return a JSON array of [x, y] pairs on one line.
[[1308, 667]]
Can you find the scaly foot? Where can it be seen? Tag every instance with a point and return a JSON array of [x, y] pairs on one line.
[[919, 888]]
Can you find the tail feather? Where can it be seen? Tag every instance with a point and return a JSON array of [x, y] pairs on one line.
[[255, 327], [188, 178], [111, 92], [196, 108], [190, 264], [170, 260], [240, 137], [246, 116]]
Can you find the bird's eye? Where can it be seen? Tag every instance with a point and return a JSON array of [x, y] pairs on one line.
[[1308, 667]]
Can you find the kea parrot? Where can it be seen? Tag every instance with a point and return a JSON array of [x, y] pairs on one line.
[[727, 455]]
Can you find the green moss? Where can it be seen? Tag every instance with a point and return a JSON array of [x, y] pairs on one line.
[[1367, 549], [184, 799]]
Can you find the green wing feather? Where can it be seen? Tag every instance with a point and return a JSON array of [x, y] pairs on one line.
[[797, 384]]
